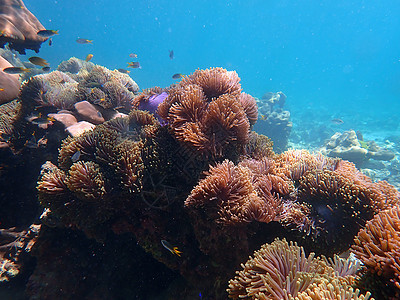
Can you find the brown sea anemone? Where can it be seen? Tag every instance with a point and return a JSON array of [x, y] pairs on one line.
[[249, 105], [383, 194], [208, 114], [214, 82], [244, 193], [283, 271], [295, 163], [338, 208], [52, 180], [85, 180], [55, 89], [377, 245]]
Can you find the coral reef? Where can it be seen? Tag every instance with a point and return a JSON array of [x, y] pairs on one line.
[[94, 167], [348, 146], [283, 271], [208, 114], [274, 120], [14, 248], [19, 27], [378, 247]]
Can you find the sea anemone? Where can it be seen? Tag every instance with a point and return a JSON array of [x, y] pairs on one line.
[[249, 105], [338, 208], [214, 82], [377, 246], [282, 271], [208, 114], [276, 271], [85, 180]]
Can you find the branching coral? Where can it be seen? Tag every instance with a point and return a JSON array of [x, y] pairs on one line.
[[377, 246], [282, 271], [208, 114]]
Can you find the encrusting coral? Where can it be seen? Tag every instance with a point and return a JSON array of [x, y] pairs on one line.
[[283, 271], [378, 247]]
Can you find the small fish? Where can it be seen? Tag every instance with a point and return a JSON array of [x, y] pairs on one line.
[[171, 54], [1, 89], [99, 101], [84, 41], [169, 247], [50, 42], [133, 55], [47, 33], [46, 69], [38, 61], [76, 156], [99, 114], [93, 85], [134, 64], [89, 57], [263, 117], [337, 121], [39, 119], [124, 71], [15, 70], [177, 76]]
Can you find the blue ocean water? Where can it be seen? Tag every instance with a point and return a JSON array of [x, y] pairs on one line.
[[339, 56]]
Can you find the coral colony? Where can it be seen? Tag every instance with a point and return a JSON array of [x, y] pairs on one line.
[[169, 190]]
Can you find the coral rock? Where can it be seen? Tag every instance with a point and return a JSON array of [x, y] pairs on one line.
[[19, 27], [89, 112], [79, 128], [8, 82], [65, 118]]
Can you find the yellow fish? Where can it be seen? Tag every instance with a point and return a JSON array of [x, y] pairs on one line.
[[172, 249]]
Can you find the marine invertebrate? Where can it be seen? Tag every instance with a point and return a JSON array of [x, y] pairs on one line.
[[19, 27], [206, 112], [85, 180], [108, 89], [55, 89], [249, 105], [96, 168], [377, 246], [283, 271], [244, 193], [214, 82], [338, 208]]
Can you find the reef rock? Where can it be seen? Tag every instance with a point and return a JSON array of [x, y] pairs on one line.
[[348, 146], [274, 120], [8, 82], [79, 128], [19, 27], [89, 112]]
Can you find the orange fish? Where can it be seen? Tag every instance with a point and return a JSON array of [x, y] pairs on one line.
[[89, 57]]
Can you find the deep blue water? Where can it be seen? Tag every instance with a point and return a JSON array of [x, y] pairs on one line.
[[343, 56]]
